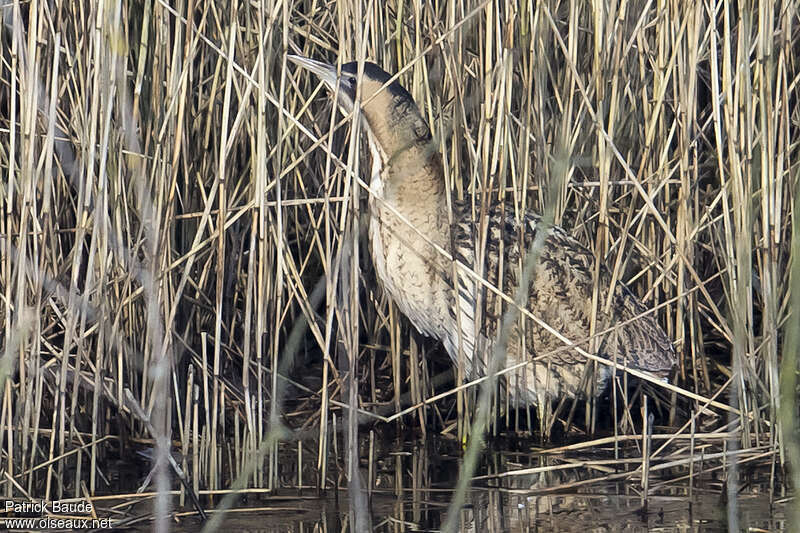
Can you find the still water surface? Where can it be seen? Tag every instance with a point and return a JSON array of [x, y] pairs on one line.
[[590, 491]]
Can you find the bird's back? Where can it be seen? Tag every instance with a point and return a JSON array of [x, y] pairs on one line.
[[560, 294], [407, 187]]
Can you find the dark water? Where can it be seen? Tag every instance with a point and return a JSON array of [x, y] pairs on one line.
[[499, 510], [576, 491]]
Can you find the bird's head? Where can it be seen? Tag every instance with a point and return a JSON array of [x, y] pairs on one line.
[[389, 113]]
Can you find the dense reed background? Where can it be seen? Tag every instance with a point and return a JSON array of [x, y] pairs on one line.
[[182, 219]]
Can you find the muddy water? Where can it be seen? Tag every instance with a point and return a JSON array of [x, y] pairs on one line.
[[583, 492], [496, 510]]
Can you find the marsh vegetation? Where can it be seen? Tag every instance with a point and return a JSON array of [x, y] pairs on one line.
[[183, 259]]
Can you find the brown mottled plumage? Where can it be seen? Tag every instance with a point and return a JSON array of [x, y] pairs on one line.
[[560, 294], [408, 200]]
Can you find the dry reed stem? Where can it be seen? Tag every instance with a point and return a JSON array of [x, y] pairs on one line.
[[172, 193]]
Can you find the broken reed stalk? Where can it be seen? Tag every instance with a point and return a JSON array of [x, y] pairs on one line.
[[183, 224]]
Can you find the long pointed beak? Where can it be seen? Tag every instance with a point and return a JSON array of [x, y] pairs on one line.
[[325, 72]]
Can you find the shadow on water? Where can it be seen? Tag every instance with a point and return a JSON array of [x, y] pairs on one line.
[[515, 489]]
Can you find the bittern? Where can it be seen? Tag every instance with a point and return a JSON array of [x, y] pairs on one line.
[[409, 228]]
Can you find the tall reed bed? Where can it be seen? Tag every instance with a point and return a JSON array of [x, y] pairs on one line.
[[183, 220]]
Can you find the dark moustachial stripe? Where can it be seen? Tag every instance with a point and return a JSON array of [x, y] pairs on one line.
[[420, 282]]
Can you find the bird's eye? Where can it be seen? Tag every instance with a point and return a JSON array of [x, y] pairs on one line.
[[352, 81]]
